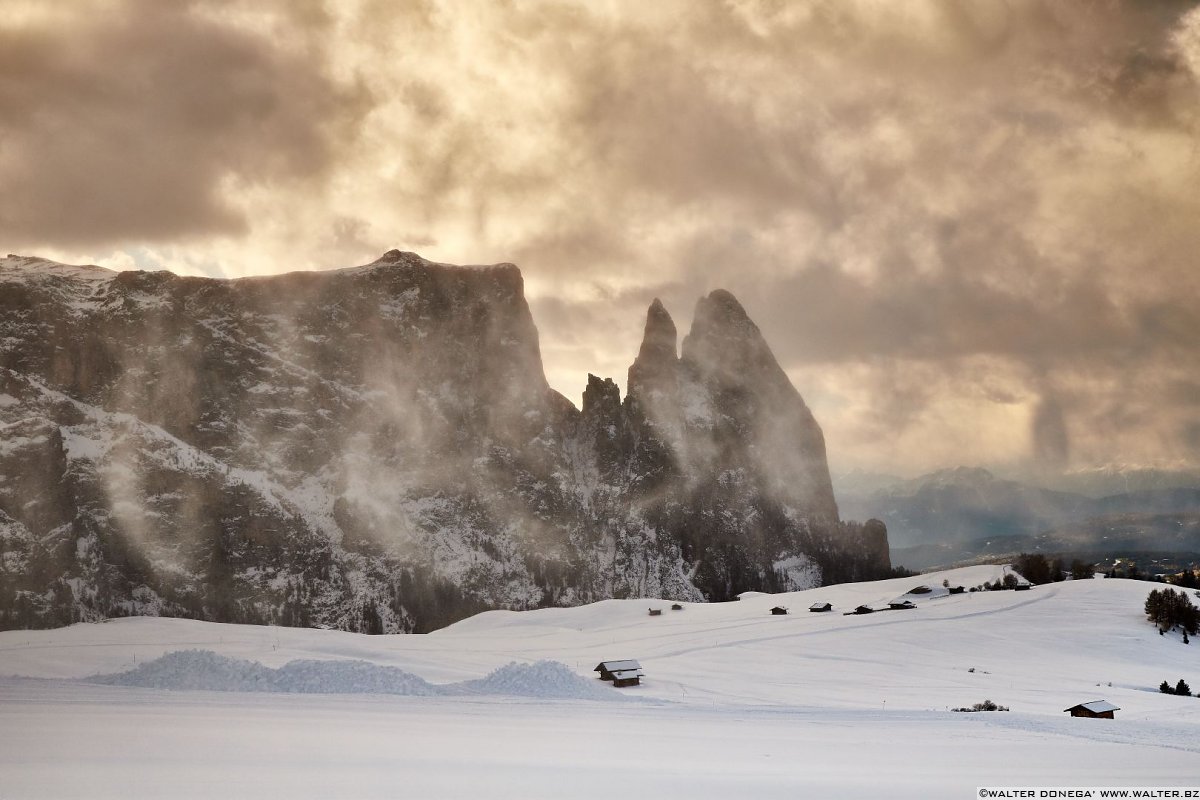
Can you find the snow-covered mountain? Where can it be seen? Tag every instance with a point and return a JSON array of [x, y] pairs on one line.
[[377, 449], [1117, 479], [965, 506]]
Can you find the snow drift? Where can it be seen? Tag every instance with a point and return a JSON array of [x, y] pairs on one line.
[[204, 670]]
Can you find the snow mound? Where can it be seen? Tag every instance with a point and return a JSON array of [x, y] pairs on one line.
[[207, 671], [351, 677], [547, 679], [204, 670], [195, 669]]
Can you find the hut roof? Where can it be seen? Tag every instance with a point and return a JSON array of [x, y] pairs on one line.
[[1095, 706], [625, 674], [617, 666], [821, 605]]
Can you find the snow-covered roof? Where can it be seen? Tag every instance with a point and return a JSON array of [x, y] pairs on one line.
[[617, 666], [622, 674], [820, 605], [1096, 706]]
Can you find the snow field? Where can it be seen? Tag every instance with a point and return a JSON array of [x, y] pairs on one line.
[[741, 703]]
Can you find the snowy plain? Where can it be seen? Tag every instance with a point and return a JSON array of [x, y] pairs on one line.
[[736, 702]]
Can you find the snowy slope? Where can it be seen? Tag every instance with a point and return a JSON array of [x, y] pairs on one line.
[[735, 702]]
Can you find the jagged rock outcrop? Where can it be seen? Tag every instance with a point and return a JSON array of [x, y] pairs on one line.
[[377, 449], [724, 455]]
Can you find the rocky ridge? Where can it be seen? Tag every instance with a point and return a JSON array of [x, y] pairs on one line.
[[377, 449]]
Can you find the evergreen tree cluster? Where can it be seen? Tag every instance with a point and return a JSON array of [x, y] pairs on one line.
[[1182, 689], [986, 705], [1038, 569], [1169, 609], [1187, 579], [1009, 581], [1082, 570]]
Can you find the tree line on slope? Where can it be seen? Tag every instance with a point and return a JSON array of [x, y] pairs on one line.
[[1169, 609], [1180, 688]]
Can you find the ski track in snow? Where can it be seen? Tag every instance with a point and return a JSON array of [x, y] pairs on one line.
[[1160, 736], [1048, 593]]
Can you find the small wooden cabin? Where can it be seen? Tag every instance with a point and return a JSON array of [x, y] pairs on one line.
[[1022, 586], [626, 672], [900, 605], [860, 610], [676, 607], [821, 607], [956, 589], [656, 612], [920, 590], [778, 611], [627, 678], [1096, 709]]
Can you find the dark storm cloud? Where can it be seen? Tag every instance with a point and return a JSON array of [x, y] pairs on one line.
[[1051, 442], [821, 314], [129, 121], [936, 208], [1011, 181]]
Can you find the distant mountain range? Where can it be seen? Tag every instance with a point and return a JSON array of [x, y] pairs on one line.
[[960, 514], [1117, 479], [1152, 540]]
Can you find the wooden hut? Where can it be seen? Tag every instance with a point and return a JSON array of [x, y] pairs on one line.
[[1022, 586], [778, 611], [900, 605], [656, 612], [1096, 709], [821, 607], [626, 672], [676, 607], [627, 678], [860, 610], [956, 589]]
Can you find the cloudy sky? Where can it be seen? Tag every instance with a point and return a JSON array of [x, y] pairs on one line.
[[970, 231]]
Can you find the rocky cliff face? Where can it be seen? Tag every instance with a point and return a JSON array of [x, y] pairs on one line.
[[377, 449]]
